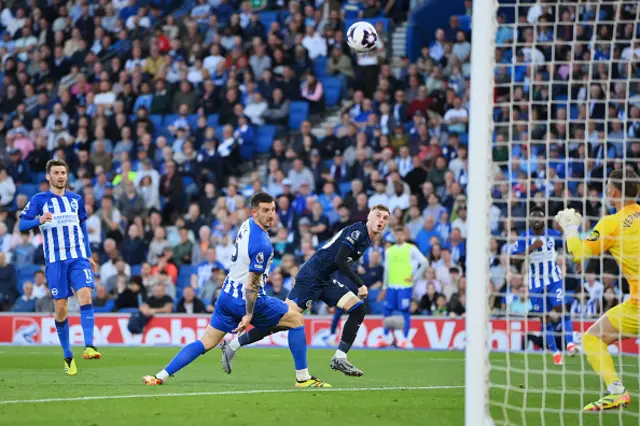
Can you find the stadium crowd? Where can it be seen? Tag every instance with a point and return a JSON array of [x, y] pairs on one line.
[[158, 118]]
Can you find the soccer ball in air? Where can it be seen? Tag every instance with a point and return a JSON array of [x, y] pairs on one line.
[[362, 37]]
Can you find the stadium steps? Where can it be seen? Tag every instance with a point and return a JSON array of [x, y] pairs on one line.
[[399, 40], [332, 117]]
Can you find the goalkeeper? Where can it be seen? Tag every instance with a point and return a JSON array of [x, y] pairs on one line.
[[619, 234]]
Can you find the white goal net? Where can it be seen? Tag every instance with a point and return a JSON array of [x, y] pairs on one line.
[[555, 108]]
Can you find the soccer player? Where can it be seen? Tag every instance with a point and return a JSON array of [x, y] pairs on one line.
[[243, 300], [314, 282], [546, 290], [61, 217], [403, 263], [619, 234]]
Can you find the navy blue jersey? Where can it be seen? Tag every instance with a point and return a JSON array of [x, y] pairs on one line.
[[322, 264]]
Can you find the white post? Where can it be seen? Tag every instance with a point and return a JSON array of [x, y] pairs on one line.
[[480, 134]]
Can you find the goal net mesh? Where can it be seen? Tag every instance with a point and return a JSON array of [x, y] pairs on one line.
[[566, 113]]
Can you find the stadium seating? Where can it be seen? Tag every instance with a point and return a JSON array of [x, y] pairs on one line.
[[332, 90], [265, 136], [298, 112]]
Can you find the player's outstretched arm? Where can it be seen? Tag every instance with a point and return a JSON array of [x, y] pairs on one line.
[[596, 243]]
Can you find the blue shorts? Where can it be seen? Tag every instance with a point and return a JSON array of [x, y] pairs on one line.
[[64, 275], [544, 299], [398, 299], [229, 312], [308, 290]]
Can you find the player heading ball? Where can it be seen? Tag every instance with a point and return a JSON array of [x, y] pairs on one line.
[[314, 282]]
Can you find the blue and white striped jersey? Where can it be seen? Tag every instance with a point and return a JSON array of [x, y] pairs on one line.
[[253, 253], [543, 267], [63, 238]]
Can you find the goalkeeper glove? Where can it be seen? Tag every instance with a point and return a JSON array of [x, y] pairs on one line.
[[569, 221]]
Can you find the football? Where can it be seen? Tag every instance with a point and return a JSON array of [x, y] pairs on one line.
[[362, 37]]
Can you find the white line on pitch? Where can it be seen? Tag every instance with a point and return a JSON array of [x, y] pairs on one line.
[[247, 392]]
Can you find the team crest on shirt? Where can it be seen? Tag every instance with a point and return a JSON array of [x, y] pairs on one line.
[[355, 235], [74, 205], [594, 236], [260, 257]]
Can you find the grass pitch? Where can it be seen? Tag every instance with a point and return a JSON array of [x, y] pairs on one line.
[[398, 388]]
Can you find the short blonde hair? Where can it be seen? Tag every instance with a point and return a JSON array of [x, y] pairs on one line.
[[381, 207]]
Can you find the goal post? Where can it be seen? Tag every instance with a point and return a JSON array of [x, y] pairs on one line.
[[479, 199], [554, 107]]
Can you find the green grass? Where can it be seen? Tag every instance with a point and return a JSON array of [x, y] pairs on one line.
[[28, 374]]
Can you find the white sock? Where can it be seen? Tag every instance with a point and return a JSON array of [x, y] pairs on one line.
[[302, 375], [235, 344], [616, 388], [163, 375], [340, 354]]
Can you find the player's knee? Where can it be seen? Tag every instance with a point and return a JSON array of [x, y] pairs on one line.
[[61, 310], [358, 311], [84, 296], [211, 338], [293, 306], [294, 319], [348, 301]]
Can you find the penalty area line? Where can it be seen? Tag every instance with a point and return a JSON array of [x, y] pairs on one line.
[[223, 393]]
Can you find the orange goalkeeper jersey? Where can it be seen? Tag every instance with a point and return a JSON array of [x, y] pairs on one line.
[[619, 234]]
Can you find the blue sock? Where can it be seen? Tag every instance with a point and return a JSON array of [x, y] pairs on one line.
[[185, 357], [566, 328], [336, 319], [87, 321], [407, 323], [298, 347], [254, 335], [62, 328], [550, 337]]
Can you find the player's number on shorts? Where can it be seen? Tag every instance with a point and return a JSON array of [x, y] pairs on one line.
[[559, 294], [87, 275]]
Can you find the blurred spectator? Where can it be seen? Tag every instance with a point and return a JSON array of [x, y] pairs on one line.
[[7, 188], [190, 304], [102, 302], [428, 302], [275, 286], [25, 303], [8, 280], [182, 252], [609, 300], [593, 286], [166, 265], [157, 303], [157, 246], [24, 252], [441, 306], [39, 285], [45, 303], [313, 91]]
